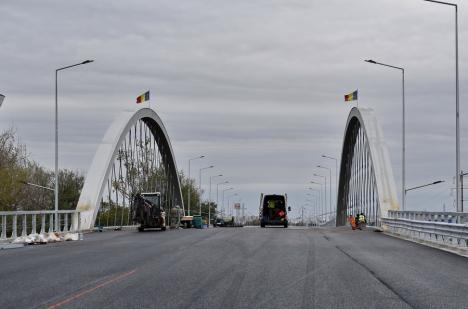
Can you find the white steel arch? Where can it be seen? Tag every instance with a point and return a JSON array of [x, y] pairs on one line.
[[366, 175], [100, 169]]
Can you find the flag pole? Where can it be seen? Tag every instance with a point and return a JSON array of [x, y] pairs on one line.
[[357, 98], [149, 98]]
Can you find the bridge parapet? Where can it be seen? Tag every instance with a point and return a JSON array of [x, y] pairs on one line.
[[23, 223], [449, 217], [443, 230]]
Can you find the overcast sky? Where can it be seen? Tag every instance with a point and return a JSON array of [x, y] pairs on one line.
[[257, 86]]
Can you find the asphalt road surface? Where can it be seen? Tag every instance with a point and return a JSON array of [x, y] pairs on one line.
[[233, 268]]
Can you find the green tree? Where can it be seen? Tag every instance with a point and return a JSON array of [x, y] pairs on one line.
[[70, 187], [13, 163], [16, 169], [33, 198], [206, 207], [185, 185]]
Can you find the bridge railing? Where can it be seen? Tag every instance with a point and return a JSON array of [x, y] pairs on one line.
[[449, 217], [432, 231], [23, 223]]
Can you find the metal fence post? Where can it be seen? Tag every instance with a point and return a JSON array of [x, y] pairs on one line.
[[65, 227], [43, 223], [25, 225], [51, 223], [14, 232], [4, 227], [33, 224]]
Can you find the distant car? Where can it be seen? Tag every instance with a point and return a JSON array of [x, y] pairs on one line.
[[273, 210], [224, 221], [219, 222]]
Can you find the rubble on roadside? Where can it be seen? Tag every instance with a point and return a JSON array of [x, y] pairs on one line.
[[44, 238]]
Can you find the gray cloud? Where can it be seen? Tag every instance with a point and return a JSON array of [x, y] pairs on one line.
[[257, 86]]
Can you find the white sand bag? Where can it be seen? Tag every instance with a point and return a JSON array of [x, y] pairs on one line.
[[52, 237], [71, 236], [43, 238], [19, 240]]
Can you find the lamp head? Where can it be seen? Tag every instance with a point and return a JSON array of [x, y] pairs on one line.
[[87, 61], [370, 61]]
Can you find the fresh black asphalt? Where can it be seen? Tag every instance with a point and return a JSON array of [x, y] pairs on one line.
[[233, 268]]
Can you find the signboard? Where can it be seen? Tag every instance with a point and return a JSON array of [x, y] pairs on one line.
[[237, 206]]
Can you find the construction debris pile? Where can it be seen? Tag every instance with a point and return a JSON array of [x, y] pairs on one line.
[[44, 238]]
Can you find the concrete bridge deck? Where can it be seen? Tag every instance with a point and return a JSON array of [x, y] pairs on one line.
[[233, 268]]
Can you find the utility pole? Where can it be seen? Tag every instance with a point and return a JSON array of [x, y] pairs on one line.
[[56, 188], [302, 215], [458, 203], [243, 214], [461, 189], [190, 181]]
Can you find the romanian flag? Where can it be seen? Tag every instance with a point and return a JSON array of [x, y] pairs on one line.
[[351, 97], [144, 97]]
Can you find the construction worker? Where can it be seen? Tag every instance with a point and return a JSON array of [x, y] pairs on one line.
[[361, 220], [352, 222]]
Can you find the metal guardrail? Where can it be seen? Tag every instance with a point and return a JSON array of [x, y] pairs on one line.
[[441, 233], [23, 223], [449, 217]]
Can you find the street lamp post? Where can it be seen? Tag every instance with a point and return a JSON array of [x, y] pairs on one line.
[[37, 186], [325, 183], [217, 192], [56, 138], [190, 182], [320, 195], [457, 108], [329, 189], [228, 189], [199, 185], [229, 208], [336, 178], [239, 200], [403, 142], [209, 203], [317, 200], [426, 185], [313, 205]]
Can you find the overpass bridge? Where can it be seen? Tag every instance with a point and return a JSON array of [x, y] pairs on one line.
[[238, 268]]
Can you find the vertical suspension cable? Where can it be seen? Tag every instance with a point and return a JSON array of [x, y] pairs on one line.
[[113, 187], [108, 201]]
